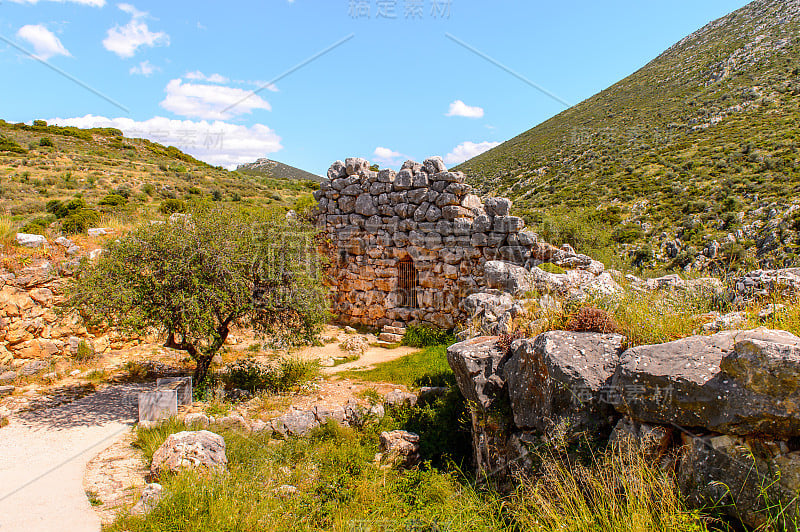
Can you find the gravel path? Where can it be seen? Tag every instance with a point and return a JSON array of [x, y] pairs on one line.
[[43, 456]]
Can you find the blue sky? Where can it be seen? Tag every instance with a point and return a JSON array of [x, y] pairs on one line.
[[394, 87]]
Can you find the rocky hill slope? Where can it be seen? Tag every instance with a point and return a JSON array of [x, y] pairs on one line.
[[692, 160], [274, 169]]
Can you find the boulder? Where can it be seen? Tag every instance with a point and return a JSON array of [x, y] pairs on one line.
[[563, 376], [197, 419], [401, 447], [151, 495], [741, 478], [30, 241], [399, 398], [434, 165], [733, 382], [507, 277], [295, 423], [196, 450], [491, 302], [478, 365]]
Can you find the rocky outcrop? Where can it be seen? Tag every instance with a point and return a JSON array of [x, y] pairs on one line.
[[720, 410], [201, 450]]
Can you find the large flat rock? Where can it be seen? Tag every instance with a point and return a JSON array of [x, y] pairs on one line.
[[562, 376], [733, 382]]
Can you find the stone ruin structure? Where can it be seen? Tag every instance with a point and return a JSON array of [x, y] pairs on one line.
[[411, 246]]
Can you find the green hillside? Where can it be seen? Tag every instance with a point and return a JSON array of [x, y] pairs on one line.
[[700, 145], [41, 165], [276, 170]]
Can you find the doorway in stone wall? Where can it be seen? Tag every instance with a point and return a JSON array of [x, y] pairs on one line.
[[408, 283]]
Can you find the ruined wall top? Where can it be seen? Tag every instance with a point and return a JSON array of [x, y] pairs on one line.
[[424, 192]]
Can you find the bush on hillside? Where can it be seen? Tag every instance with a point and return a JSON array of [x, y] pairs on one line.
[[80, 221], [113, 200], [172, 206]]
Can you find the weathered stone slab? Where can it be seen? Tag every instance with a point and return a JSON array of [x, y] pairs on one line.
[[477, 365], [184, 387], [733, 382], [158, 405], [563, 376]]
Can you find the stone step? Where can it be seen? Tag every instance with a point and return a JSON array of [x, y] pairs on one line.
[[394, 330], [385, 345], [390, 338]]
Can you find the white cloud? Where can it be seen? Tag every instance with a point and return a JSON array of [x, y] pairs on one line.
[[212, 102], [125, 40], [387, 156], [213, 78], [45, 43], [459, 108], [143, 69], [93, 3], [468, 150], [217, 143]]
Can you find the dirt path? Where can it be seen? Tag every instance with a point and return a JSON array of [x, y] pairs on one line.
[[43, 456]]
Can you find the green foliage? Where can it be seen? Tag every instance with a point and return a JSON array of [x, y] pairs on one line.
[[84, 352], [37, 226], [113, 200], [551, 268], [251, 375], [79, 221], [340, 487], [62, 209], [9, 145], [304, 206], [443, 425], [194, 279], [46, 142], [427, 336], [172, 206]]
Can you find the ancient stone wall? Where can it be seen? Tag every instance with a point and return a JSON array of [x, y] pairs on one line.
[[429, 216]]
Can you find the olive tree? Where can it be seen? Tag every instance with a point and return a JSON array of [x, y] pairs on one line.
[[194, 277]]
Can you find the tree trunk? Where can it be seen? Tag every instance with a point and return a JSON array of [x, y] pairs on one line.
[[201, 370]]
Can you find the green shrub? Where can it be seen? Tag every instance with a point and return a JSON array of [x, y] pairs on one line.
[[84, 352], [9, 145], [549, 267], [172, 206], [37, 226], [251, 375], [113, 200], [426, 336], [80, 221], [46, 142], [63, 209]]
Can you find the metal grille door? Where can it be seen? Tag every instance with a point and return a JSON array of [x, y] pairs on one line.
[[408, 284]]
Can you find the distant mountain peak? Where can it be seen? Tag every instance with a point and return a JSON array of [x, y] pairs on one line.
[[277, 170]]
